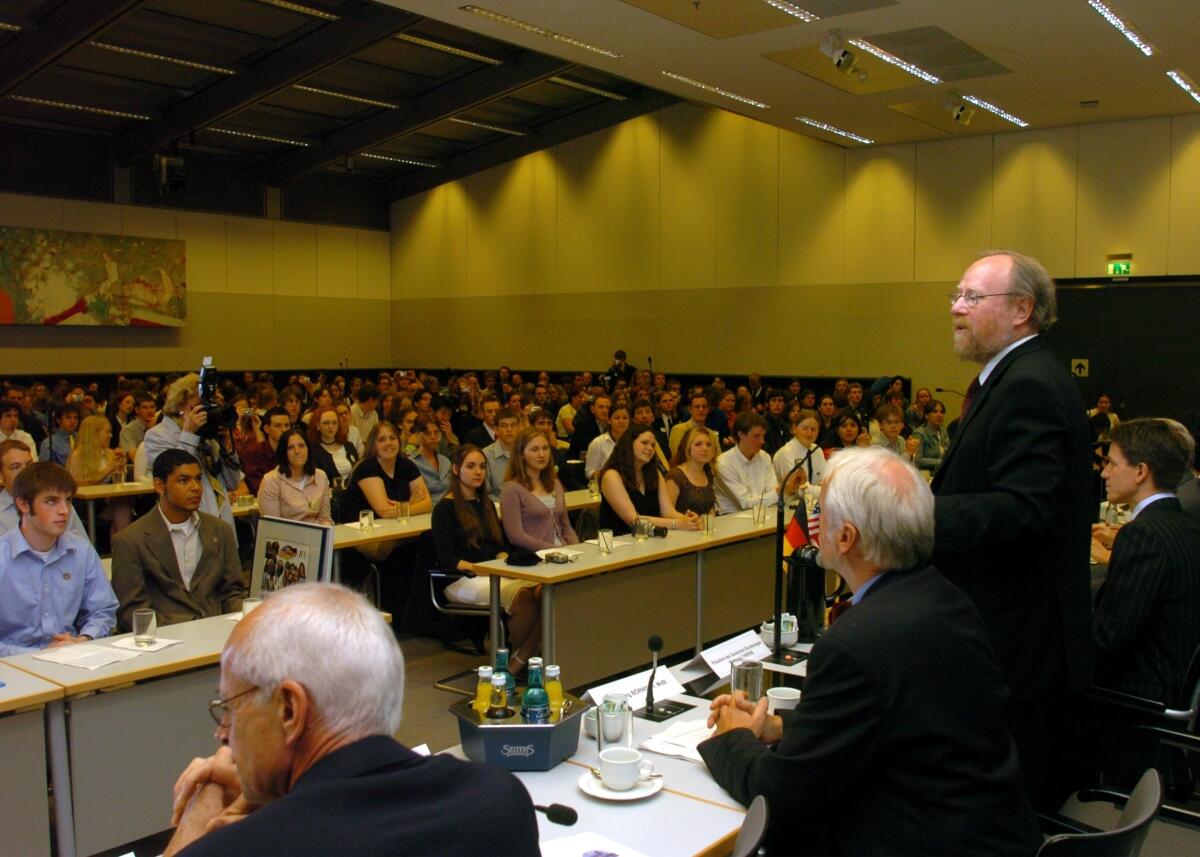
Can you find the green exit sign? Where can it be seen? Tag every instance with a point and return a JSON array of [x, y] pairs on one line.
[[1120, 268]]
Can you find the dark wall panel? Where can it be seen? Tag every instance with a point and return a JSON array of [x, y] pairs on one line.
[[213, 184], [325, 198], [43, 162]]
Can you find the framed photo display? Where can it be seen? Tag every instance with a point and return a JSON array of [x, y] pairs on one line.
[[288, 552]]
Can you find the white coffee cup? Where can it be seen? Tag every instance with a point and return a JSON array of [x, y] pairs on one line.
[[622, 767], [779, 698]]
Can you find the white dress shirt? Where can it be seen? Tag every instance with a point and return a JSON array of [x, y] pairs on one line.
[[24, 437], [598, 452], [185, 539], [791, 452], [743, 483]]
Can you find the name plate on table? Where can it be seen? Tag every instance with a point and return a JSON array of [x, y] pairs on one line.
[[747, 646], [634, 688]]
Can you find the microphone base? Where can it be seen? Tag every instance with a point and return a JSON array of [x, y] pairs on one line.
[[661, 711], [786, 659]]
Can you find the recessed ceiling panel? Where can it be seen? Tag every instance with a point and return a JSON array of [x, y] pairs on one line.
[[721, 19], [869, 75], [939, 53], [937, 115]]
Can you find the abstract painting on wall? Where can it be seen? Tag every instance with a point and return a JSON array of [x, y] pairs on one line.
[[81, 278]]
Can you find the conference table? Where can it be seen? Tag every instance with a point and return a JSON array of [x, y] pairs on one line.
[[598, 611], [24, 812]]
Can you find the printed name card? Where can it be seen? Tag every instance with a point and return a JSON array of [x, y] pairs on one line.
[[634, 687], [747, 646]]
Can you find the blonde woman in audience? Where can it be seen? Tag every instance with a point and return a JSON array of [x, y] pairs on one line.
[[93, 462], [296, 489], [533, 505], [630, 487], [803, 447], [690, 479], [332, 452]]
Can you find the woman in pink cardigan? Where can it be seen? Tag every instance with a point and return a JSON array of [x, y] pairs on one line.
[[297, 489], [533, 508]]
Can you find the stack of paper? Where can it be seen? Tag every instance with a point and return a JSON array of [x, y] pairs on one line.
[[680, 739], [85, 655]]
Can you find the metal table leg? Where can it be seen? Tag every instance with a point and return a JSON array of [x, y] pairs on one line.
[[335, 573], [548, 623], [496, 626], [60, 777], [91, 522], [699, 603]]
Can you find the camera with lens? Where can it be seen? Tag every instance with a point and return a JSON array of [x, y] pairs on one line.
[[218, 414]]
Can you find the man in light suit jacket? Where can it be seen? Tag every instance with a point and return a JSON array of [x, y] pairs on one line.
[[898, 744], [175, 558], [1014, 506]]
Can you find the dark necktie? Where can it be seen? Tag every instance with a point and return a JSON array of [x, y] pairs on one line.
[[969, 397]]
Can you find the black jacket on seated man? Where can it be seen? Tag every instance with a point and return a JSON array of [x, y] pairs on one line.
[[376, 796], [898, 745]]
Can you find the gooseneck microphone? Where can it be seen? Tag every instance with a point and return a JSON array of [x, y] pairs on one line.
[[655, 643], [557, 813], [948, 390]]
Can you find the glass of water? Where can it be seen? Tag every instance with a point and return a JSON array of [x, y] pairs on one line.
[[747, 676], [145, 625], [366, 519], [402, 511]]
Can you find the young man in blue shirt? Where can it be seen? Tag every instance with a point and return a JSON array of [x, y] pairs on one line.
[[52, 587]]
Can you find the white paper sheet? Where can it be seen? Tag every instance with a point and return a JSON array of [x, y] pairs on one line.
[[85, 656], [680, 739], [568, 551], [579, 844], [617, 543]]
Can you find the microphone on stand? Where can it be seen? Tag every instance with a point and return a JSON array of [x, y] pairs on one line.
[[557, 813], [655, 643], [948, 390]]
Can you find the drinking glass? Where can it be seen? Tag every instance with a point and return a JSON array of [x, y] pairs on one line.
[[604, 540], [710, 524], [641, 529], [747, 676], [145, 624], [402, 512], [366, 519]]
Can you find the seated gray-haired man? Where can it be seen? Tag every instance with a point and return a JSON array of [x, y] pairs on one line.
[[310, 693], [899, 742]]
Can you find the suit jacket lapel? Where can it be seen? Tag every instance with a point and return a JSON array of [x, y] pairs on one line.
[[158, 540]]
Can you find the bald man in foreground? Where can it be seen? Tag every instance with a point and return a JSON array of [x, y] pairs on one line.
[[310, 694], [899, 742]]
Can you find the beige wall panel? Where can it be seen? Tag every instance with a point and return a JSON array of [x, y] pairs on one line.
[[953, 205], [1033, 195], [583, 330], [747, 203], [294, 247], [100, 217], [33, 212], [695, 329], [237, 330], [148, 222], [248, 257], [205, 245], [812, 220], [446, 241], [337, 262], [491, 198], [408, 262], [533, 230], [1124, 195], [412, 321], [373, 265], [34, 350], [690, 148], [583, 202], [1184, 237], [879, 214], [326, 331], [631, 179]]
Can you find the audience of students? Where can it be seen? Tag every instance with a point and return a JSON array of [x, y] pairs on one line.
[[296, 489], [689, 482]]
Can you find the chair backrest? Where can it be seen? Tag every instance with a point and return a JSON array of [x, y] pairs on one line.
[[754, 827], [1124, 840], [1189, 693]]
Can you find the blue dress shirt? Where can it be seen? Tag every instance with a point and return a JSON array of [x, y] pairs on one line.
[[67, 593], [438, 483], [10, 517]]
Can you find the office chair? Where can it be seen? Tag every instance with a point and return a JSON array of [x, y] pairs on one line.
[[1126, 839], [754, 827]]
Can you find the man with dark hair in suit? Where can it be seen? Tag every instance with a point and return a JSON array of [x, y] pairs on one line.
[[1014, 505], [898, 743], [1146, 623], [176, 559]]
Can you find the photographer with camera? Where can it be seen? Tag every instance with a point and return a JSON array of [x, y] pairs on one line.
[[196, 423]]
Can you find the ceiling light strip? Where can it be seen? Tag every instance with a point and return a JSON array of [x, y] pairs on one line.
[[892, 59], [995, 111], [447, 49], [832, 129], [10, 28], [1184, 82], [303, 10], [345, 96], [1123, 27], [412, 162], [265, 138], [708, 87], [584, 87], [82, 108], [538, 31], [148, 55], [793, 10], [500, 129]]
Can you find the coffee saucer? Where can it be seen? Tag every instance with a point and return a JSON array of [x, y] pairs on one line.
[[591, 785]]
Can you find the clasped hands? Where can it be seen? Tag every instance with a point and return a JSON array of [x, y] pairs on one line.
[[210, 793], [1102, 542], [735, 711]]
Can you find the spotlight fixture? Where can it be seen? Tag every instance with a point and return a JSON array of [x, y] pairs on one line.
[[892, 59], [412, 162], [845, 61], [1184, 82], [716, 90], [446, 49], [793, 10], [148, 55], [833, 129], [264, 138], [82, 108], [169, 169], [537, 31], [995, 111], [1122, 26], [959, 110]]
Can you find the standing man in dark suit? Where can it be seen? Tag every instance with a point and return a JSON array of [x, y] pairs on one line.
[[899, 742], [1014, 504], [176, 559], [1146, 624]]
